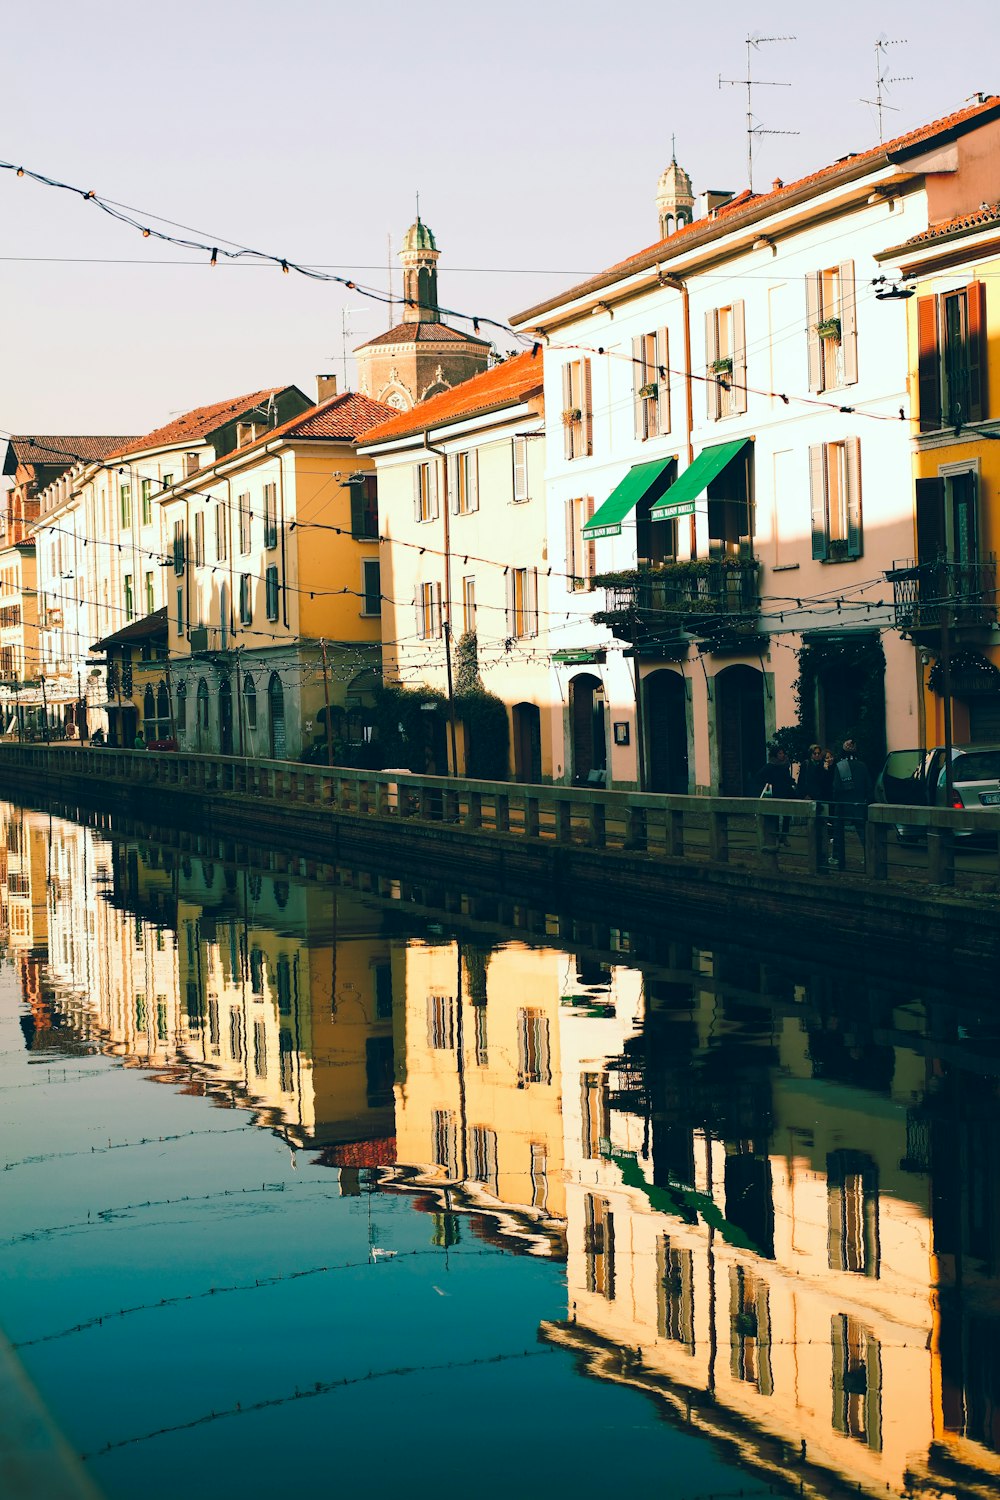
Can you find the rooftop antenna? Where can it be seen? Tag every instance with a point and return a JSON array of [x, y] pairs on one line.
[[346, 332], [883, 80], [388, 266], [750, 83]]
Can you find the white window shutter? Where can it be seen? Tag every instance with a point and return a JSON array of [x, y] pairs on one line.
[[817, 501], [855, 539], [416, 491], [638, 379], [511, 612], [662, 376], [432, 485], [571, 563], [567, 382], [712, 389], [814, 349], [849, 323], [453, 460], [739, 356], [588, 408], [472, 499]]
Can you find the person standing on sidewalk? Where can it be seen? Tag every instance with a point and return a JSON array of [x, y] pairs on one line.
[[851, 794]]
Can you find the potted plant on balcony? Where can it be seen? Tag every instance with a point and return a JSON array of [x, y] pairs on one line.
[[570, 415], [828, 328], [723, 366], [837, 549], [649, 391]]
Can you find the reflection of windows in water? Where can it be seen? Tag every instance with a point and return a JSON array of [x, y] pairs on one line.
[[140, 1013], [254, 885], [749, 1197], [213, 1026], [482, 1037], [857, 1382], [532, 1048], [599, 1245], [259, 1050], [444, 1144], [286, 1061], [244, 947], [161, 1018], [483, 1157], [593, 975], [234, 972], [193, 1006], [256, 971], [281, 893], [539, 1175], [283, 984], [440, 1021], [749, 1329], [676, 1303], [235, 1035], [383, 991], [379, 1071], [852, 1212], [970, 1376], [596, 1114]]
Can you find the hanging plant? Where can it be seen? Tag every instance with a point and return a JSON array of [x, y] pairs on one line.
[[570, 415], [829, 328], [722, 366], [649, 391]]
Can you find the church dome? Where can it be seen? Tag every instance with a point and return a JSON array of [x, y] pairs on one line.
[[418, 237], [676, 184]]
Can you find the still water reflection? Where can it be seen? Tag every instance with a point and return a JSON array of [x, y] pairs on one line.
[[307, 1182]]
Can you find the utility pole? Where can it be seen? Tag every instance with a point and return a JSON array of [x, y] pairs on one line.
[[326, 700], [949, 776]]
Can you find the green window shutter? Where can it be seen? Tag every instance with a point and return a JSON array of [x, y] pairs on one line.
[[817, 500]]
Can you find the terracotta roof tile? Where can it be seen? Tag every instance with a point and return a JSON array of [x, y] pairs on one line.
[[505, 385], [423, 333], [753, 202], [65, 451], [197, 424], [987, 213], [344, 417]]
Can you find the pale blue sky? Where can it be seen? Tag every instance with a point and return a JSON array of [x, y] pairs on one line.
[[535, 133]]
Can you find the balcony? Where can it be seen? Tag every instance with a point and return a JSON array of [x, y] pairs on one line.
[[707, 598], [925, 593]]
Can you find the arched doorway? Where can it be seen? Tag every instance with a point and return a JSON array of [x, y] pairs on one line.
[[739, 728], [588, 737], [226, 716], [665, 714], [202, 715], [276, 715], [149, 729], [163, 711], [527, 742]]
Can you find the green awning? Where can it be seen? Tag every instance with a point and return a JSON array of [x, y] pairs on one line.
[[680, 498], [637, 483]]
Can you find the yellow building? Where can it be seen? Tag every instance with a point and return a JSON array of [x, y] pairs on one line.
[[273, 588], [462, 498], [946, 591], [20, 692]]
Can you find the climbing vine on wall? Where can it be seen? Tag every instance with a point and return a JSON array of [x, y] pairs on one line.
[[861, 660]]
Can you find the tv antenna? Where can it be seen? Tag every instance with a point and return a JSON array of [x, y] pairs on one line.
[[346, 332], [883, 79], [750, 83]]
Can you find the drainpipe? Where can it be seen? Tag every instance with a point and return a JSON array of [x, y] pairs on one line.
[[446, 512], [677, 285]]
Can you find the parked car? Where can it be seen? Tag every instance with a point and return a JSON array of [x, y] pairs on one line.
[[916, 778]]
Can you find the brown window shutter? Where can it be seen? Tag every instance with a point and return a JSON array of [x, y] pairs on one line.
[[848, 322], [511, 612], [928, 365], [814, 349], [567, 384], [855, 538], [591, 547], [739, 356], [976, 351], [817, 501], [712, 389], [588, 409], [931, 538], [638, 380], [662, 377]]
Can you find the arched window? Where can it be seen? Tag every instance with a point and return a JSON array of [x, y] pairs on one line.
[[276, 710], [149, 713], [163, 711], [224, 615], [250, 702], [202, 704], [181, 707]]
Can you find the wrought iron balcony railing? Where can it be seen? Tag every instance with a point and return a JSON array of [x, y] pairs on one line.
[[925, 592], [679, 596]]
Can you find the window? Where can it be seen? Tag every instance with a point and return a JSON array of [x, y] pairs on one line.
[[463, 482], [192, 463], [246, 599], [581, 554], [852, 1212], [221, 549], [168, 480], [948, 528], [382, 974], [831, 327], [577, 415], [444, 1141], [180, 547], [651, 384], [596, 1110], [150, 594], [202, 704], [364, 507], [522, 605], [441, 1022], [599, 1246], [676, 1302], [469, 603], [270, 517], [271, 591], [371, 586], [519, 457], [483, 1157], [249, 703], [146, 493], [245, 433], [246, 522], [749, 1329], [125, 496], [129, 600], [835, 495], [726, 361], [199, 538], [429, 611], [180, 611], [539, 1175], [951, 331], [857, 1381], [425, 492], [532, 1048]]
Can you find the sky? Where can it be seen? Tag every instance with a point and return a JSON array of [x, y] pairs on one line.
[[534, 133]]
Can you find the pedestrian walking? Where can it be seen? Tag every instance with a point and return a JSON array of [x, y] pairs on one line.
[[774, 779], [851, 793]]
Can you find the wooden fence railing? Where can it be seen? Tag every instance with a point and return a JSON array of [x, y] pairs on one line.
[[894, 845]]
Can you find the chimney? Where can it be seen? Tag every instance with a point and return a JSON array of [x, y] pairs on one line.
[[326, 386], [711, 200]]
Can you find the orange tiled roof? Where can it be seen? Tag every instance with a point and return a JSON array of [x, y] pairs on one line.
[[344, 417], [64, 451], [751, 204], [987, 213], [504, 385], [197, 424]]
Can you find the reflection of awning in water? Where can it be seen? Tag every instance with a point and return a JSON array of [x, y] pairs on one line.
[[681, 497], [683, 1203]]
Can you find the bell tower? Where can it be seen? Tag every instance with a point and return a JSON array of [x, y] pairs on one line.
[[674, 198], [419, 256]]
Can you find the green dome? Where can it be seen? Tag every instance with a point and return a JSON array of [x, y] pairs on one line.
[[419, 237]]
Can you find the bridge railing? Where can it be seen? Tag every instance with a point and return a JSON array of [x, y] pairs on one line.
[[892, 845]]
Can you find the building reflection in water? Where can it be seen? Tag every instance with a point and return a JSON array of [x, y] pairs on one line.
[[776, 1193]]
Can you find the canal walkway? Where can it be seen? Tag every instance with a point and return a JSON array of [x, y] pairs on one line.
[[729, 859]]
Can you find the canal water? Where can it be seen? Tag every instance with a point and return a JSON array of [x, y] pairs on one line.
[[316, 1179]]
